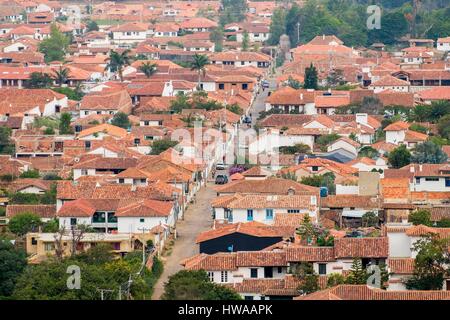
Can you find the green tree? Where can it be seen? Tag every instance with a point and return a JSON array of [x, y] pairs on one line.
[[428, 152], [430, 266], [335, 279], [148, 69], [277, 26], [306, 230], [48, 280], [324, 140], [38, 80], [399, 157], [245, 41], [162, 145], [444, 127], [195, 285], [293, 83], [72, 94], [121, 120], [23, 223], [235, 108], [64, 123], [61, 76], [54, 48], [311, 78], [51, 226], [420, 216], [358, 274], [309, 280], [369, 152], [117, 61], [13, 262], [370, 219], [49, 131], [199, 64], [6, 145], [91, 25], [216, 36], [30, 174]]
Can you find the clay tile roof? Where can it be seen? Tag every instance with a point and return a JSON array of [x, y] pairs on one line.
[[401, 265], [397, 126], [414, 136], [260, 259], [363, 292], [310, 254], [272, 201], [389, 81], [146, 208], [253, 228], [437, 93], [76, 208], [344, 201], [42, 210], [213, 262], [288, 219], [349, 141], [267, 186], [361, 247], [256, 171], [108, 128]]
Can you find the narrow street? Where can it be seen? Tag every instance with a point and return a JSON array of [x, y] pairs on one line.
[[197, 219], [259, 102]]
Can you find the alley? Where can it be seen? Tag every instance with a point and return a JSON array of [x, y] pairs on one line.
[[197, 219]]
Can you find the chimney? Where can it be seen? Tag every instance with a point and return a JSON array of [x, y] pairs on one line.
[[313, 200], [411, 169], [301, 96], [420, 167], [323, 37]]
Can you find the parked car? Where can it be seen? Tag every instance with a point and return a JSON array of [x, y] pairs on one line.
[[265, 84], [221, 179], [247, 119], [220, 166]]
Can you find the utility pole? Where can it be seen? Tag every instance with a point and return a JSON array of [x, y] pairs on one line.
[[298, 33], [143, 229]]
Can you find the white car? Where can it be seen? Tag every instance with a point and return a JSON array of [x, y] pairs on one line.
[[220, 166]]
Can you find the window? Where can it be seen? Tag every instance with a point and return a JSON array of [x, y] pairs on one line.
[[33, 241], [99, 217], [49, 246], [315, 168], [249, 215], [280, 270], [269, 214], [431, 179], [417, 180], [121, 180], [143, 180], [141, 220], [244, 86], [73, 221], [242, 63], [322, 268], [221, 86], [87, 144], [84, 172], [293, 211], [248, 297], [447, 182], [146, 123], [224, 276], [211, 276], [268, 272], [253, 273]]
